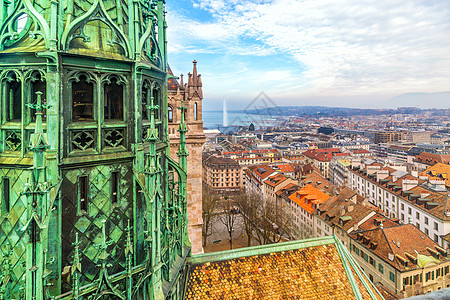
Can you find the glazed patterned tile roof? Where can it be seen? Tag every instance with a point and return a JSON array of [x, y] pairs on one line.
[[312, 270], [172, 83]]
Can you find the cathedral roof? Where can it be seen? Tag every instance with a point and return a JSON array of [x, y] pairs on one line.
[[308, 269]]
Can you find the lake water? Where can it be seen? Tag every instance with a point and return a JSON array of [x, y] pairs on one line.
[[212, 119]]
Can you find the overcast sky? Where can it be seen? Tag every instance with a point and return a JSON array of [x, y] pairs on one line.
[[313, 52]]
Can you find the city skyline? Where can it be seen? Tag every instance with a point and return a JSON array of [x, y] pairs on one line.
[[309, 53]]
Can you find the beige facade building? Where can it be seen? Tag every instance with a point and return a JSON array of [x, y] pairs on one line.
[[386, 136], [418, 137], [403, 196], [403, 259], [254, 157], [275, 183], [221, 174], [254, 177], [192, 96]]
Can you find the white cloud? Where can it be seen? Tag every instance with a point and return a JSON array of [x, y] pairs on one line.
[[345, 46]]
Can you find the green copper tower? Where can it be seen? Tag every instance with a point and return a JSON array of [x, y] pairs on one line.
[[91, 204]]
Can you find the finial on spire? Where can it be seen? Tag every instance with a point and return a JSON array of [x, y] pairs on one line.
[[39, 107], [194, 74], [152, 131]]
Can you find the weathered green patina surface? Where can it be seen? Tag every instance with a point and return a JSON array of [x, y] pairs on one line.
[[92, 206]]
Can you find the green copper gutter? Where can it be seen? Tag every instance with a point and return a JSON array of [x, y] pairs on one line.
[[259, 250], [347, 268], [359, 272]]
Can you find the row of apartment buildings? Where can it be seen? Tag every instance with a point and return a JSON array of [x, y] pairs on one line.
[[404, 197], [396, 254], [398, 257]]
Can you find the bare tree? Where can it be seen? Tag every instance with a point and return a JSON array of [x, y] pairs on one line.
[[228, 218], [248, 206], [209, 206], [271, 223], [263, 226]]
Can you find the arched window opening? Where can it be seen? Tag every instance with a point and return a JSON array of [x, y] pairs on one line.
[[20, 22], [195, 112], [113, 109], [82, 100], [38, 85], [156, 101], [14, 99], [145, 100], [170, 114]]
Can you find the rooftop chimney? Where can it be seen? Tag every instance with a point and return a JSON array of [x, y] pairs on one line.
[[350, 208], [382, 174], [409, 184]]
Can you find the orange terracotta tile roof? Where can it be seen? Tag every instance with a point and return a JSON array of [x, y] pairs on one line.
[[432, 158], [262, 171], [347, 202], [360, 151], [387, 295], [324, 155], [399, 242], [375, 222], [307, 196], [288, 189], [439, 171], [286, 168], [292, 270], [275, 180], [318, 181]]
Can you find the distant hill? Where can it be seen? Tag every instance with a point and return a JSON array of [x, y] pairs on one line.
[[338, 111], [438, 100]]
